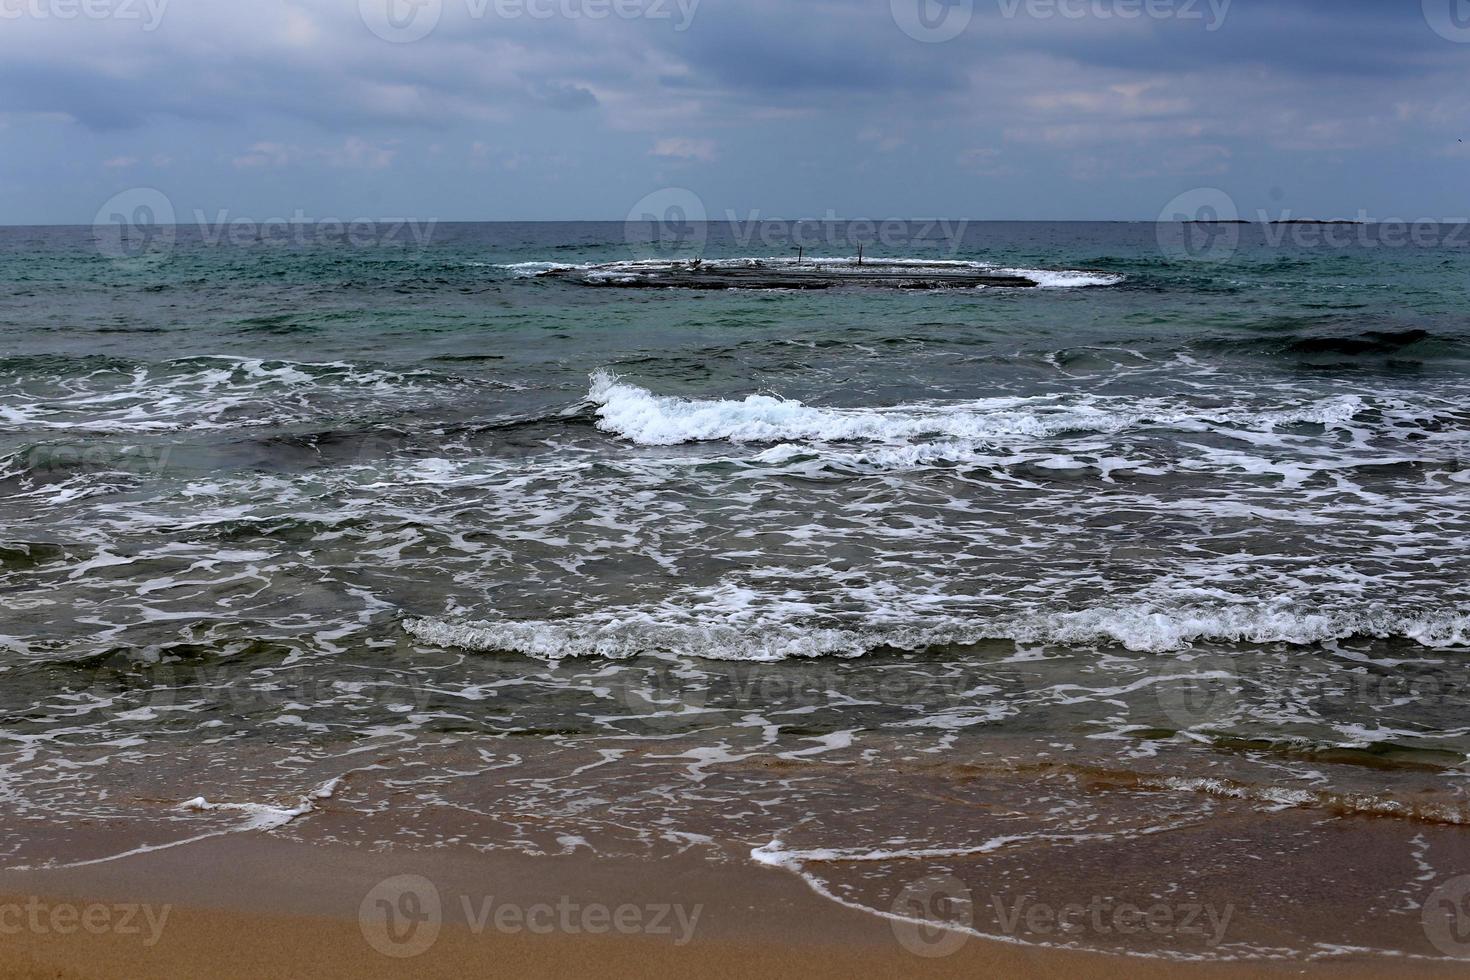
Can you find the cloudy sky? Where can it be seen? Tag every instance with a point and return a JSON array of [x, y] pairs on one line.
[[563, 109]]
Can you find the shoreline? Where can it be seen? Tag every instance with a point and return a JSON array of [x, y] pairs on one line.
[[255, 905], [800, 842]]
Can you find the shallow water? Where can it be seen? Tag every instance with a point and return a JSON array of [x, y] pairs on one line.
[[1192, 533]]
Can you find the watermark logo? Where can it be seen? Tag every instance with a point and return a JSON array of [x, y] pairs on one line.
[[1200, 225], [401, 21], [301, 230], [1202, 691], [1446, 918], [662, 695], [932, 21], [402, 916], [135, 227], [130, 685], [139, 228], [1450, 19], [939, 237], [1204, 225], [667, 224], [931, 916]]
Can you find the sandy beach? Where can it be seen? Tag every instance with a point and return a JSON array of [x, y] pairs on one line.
[[801, 856], [263, 907]]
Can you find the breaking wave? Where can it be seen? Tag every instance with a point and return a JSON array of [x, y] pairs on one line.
[[722, 631], [647, 419], [630, 270]]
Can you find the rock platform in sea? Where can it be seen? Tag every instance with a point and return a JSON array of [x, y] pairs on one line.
[[786, 275]]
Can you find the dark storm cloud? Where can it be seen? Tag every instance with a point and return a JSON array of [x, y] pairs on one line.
[[335, 71], [1031, 98]]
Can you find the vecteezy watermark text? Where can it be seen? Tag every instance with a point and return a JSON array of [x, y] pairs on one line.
[[63, 459], [830, 231], [671, 693], [1101, 916], [936, 21], [140, 682], [1205, 225], [406, 21], [673, 223], [1211, 13], [936, 917], [299, 229], [681, 12], [148, 12], [403, 916], [40, 917], [139, 226]]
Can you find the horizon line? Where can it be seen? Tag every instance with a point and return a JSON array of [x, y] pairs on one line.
[[713, 221]]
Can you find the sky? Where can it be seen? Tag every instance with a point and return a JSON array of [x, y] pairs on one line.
[[588, 109]]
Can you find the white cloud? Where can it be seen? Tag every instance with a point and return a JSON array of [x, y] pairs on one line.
[[683, 148], [353, 153]]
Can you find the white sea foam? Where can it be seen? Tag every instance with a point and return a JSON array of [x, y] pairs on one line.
[[1286, 797], [629, 271], [259, 818], [801, 862], [721, 634], [529, 270], [1063, 279], [647, 419], [641, 633], [203, 393], [828, 871], [265, 816], [1153, 629]]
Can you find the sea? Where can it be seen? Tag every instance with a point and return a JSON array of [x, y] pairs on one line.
[[1149, 586]]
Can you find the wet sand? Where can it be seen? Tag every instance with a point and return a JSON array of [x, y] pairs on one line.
[[261, 906], [667, 855]]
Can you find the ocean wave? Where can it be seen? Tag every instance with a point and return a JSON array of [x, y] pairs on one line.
[[647, 419], [594, 636], [1155, 629], [1065, 278], [630, 270], [1342, 343], [1369, 342], [723, 631]]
